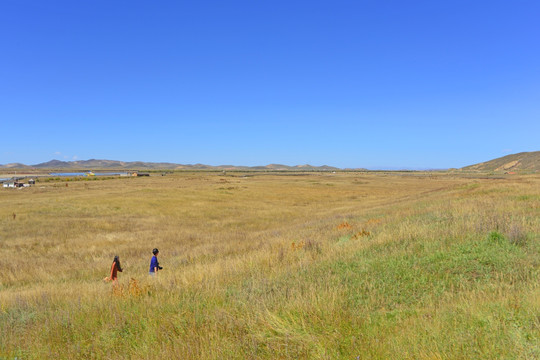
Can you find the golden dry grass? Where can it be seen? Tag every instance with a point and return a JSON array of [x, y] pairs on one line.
[[317, 265]]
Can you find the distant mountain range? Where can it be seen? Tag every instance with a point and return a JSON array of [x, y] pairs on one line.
[[525, 161], [94, 164]]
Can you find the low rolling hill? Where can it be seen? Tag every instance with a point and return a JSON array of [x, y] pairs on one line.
[[525, 161], [94, 164]]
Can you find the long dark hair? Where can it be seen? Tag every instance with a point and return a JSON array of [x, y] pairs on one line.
[[117, 261]]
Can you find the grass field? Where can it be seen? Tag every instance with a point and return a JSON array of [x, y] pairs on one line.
[[273, 266]]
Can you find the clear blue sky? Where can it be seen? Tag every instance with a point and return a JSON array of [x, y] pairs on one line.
[[364, 83]]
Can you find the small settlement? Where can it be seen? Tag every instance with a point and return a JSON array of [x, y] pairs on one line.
[[19, 182], [16, 183]]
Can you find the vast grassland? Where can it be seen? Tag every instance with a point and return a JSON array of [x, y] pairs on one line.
[[273, 266]]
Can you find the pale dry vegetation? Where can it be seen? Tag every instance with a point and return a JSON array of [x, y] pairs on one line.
[[317, 265]]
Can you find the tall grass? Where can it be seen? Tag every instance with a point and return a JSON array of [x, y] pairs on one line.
[[264, 267]]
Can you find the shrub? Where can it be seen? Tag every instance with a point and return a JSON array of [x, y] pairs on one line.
[[496, 237]]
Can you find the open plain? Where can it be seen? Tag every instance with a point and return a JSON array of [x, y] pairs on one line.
[[273, 266]]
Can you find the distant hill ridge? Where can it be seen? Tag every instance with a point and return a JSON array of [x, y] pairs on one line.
[[94, 164], [524, 161]]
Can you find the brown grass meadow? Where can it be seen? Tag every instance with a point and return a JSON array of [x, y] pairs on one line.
[[273, 266]]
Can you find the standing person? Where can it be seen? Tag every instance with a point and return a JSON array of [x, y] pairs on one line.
[[115, 268], [154, 264]]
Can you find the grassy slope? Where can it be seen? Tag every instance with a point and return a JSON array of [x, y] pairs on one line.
[[525, 161], [430, 267]]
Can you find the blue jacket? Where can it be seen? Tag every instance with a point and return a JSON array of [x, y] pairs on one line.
[[153, 263]]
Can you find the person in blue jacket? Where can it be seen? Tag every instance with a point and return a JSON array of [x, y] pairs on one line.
[[154, 264]]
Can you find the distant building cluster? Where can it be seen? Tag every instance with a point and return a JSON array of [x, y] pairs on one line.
[[11, 183], [19, 182]]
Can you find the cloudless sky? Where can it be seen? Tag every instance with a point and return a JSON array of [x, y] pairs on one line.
[[364, 83]]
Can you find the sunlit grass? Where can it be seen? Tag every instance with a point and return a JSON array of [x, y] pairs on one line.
[[404, 266]]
